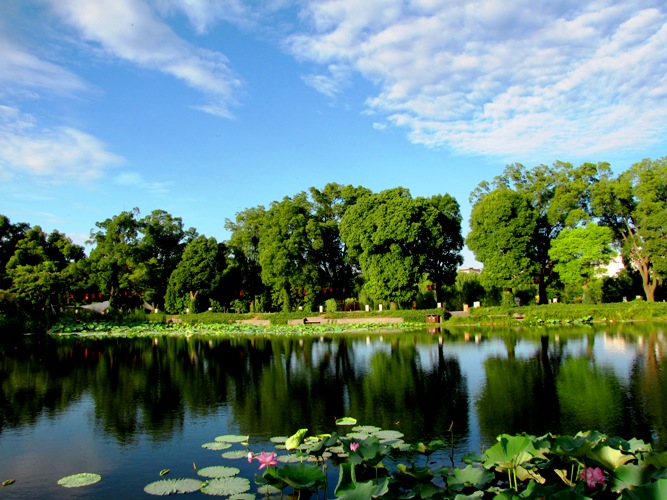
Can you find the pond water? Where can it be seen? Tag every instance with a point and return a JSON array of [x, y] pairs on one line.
[[125, 408]]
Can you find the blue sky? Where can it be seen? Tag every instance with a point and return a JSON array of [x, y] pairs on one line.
[[204, 108]]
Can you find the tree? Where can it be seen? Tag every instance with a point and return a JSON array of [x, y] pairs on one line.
[[578, 253], [502, 230], [196, 275], [161, 246], [558, 197], [397, 239], [115, 262], [286, 253], [41, 268], [10, 235], [634, 206]]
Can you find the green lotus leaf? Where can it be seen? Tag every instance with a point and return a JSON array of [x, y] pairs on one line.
[[346, 421], [608, 457], [368, 429], [279, 439], [291, 458], [225, 486], [78, 480], [650, 491], [231, 439], [301, 476], [164, 472], [509, 452], [627, 476], [267, 489], [469, 477], [235, 454], [294, 441], [357, 435], [217, 445], [388, 435], [218, 471], [243, 496], [8, 482], [173, 486]]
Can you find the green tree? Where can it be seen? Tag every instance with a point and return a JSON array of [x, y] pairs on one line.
[[286, 252], [397, 239], [115, 261], [578, 253], [244, 273], [10, 235], [558, 197], [41, 268], [163, 239], [634, 206], [196, 275]]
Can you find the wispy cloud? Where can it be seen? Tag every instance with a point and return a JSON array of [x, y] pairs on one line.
[[132, 31], [138, 181], [57, 154], [501, 78]]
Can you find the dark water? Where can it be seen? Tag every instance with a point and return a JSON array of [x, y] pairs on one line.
[[127, 408]]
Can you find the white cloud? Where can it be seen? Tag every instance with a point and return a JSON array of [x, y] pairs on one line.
[[130, 30], [60, 154], [138, 181], [20, 70], [539, 79]]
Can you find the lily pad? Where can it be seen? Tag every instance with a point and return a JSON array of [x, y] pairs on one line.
[[243, 496], [218, 471], [217, 445], [279, 439], [346, 421], [78, 480], [226, 486], [235, 454], [173, 486], [388, 435], [231, 439], [368, 429], [291, 458], [267, 489]]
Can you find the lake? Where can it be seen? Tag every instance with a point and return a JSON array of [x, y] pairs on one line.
[[126, 408]]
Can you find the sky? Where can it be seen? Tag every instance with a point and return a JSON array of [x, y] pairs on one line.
[[205, 108]]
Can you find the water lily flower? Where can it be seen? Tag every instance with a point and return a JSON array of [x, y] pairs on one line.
[[267, 459], [354, 446], [250, 456], [593, 476]]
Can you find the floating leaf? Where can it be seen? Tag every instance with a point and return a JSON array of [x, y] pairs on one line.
[[164, 472], [78, 480], [235, 454], [232, 439], [368, 429], [346, 421], [226, 486], [173, 486], [267, 489], [243, 496], [388, 435], [217, 445], [279, 439], [291, 458], [218, 471], [294, 441], [8, 482]]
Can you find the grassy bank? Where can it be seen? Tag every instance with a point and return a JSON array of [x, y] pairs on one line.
[[534, 314]]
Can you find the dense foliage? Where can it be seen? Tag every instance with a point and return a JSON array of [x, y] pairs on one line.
[[542, 233]]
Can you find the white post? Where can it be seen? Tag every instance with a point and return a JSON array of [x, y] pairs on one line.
[[380, 307], [367, 307]]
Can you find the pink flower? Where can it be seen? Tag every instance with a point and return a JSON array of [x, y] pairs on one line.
[[267, 459], [593, 476], [354, 446], [250, 456]]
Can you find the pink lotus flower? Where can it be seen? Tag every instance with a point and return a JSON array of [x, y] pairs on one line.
[[267, 459], [354, 446], [250, 456], [593, 476]]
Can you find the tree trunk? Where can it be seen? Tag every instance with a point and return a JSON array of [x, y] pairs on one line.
[[643, 263]]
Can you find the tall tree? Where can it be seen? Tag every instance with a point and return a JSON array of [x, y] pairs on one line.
[[10, 235], [115, 261], [286, 257], [196, 275], [634, 206], [559, 196], [397, 239], [42, 268], [163, 239], [578, 253]]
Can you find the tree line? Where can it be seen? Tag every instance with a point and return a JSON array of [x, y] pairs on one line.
[[540, 233]]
